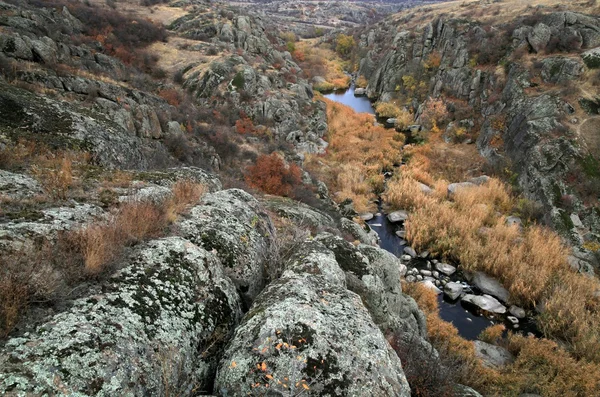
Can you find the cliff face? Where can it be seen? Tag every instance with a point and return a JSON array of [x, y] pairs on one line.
[[513, 77]]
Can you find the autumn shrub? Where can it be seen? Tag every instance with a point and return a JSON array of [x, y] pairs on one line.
[[272, 175], [404, 119], [492, 334], [361, 82], [387, 110], [55, 171], [171, 95], [434, 113]]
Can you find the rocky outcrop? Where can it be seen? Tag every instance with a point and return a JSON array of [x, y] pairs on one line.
[[294, 338], [155, 329], [18, 186], [299, 213], [233, 223]]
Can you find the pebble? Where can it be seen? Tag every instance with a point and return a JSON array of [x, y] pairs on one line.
[[402, 242], [410, 251], [411, 278], [436, 274], [513, 320], [420, 278], [425, 272], [406, 257]]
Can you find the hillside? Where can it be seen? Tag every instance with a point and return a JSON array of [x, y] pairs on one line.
[[183, 212]]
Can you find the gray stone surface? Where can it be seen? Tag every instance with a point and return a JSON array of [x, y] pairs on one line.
[[233, 223], [156, 328], [489, 285], [485, 302], [445, 268], [410, 251], [492, 356], [297, 333], [301, 214], [517, 311], [397, 216], [355, 230], [453, 290], [18, 186]]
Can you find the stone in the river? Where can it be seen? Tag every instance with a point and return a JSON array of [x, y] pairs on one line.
[[360, 92], [402, 242], [411, 278], [430, 285], [366, 216], [425, 272], [435, 274], [410, 251], [419, 277], [513, 320], [406, 257], [397, 216], [490, 286], [517, 311], [401, 233], [424, 254], [491, 355], [485, 302], [453, 290], [445, 268]]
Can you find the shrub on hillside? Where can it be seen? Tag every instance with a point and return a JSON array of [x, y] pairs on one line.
[[272, 175]]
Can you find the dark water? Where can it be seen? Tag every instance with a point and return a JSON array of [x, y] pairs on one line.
[[359, 104], [468, 322]]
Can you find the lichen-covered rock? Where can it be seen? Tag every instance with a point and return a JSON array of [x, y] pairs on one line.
[[19, 236], [18, 186], [374, 274], [233, 223], [306, 334], [299, 213], [369, 237], [169, 176], [156, 329], [312, 257]]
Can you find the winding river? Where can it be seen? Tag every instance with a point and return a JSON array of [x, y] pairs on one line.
[[467, 320]]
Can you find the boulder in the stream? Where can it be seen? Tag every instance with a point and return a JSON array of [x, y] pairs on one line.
[[453, 290], [485, 302], [355, 230], [233, 223], [397, 216], [489, 285], [158, 327], [410, 251], [517, 311], [430, 285], [445, 268], [306, 333]]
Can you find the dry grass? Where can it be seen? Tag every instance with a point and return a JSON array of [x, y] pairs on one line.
[[319, 60], [358, 153], [45, 271]]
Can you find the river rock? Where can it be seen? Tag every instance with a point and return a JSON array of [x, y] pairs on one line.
[[485, 302], [360, 92], [401, 233], [410, 251], [397, 216], [357, 231], [296, 334], [490, 286], [160, 320], [517, 311], [513, 220], [445, 268], [453, 290], [492, 356], [430, 285], [234, 224], [366, 216]]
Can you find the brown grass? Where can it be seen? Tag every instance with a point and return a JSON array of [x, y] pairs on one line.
[[358, 153]]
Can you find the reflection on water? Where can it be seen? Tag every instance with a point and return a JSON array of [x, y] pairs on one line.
[[359, 104]]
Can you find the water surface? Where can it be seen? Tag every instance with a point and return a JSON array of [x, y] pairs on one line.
[[359, 104]]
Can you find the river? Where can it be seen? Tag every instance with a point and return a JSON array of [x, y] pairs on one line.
[[467, 320]]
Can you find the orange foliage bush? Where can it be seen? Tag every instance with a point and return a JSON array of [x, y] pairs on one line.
[[170, 95], [272, 175], [244, 125]]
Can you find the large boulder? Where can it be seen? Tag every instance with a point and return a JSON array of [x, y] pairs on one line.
[[486, 303], [375, 275], [301, 214], [489, 285], [233, 223], [492, 356], [369, 237], [295, 339], [561, 69], [539, 37], [18, 186], [157, 328]]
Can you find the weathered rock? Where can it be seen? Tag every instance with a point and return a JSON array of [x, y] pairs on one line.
[[296, 334], [410, 251], [312, 257], [453, 187], [18, 186], [513, 220], [489, 285], [355, 230], [234, 224], [360, 92], [445, 268], [299, 213], [194, 174], [397, 216], [159, 323], [21, 236], [539, 37], [366, 216], [425, 189], [491, 355], [592, 58], [517, 311], [374, 274], [401, 233], [485, 302], [430, 285], [465, 391], [561, 69], [453, 290]]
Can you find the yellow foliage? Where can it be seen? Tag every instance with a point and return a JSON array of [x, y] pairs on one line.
[[387, 110]]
